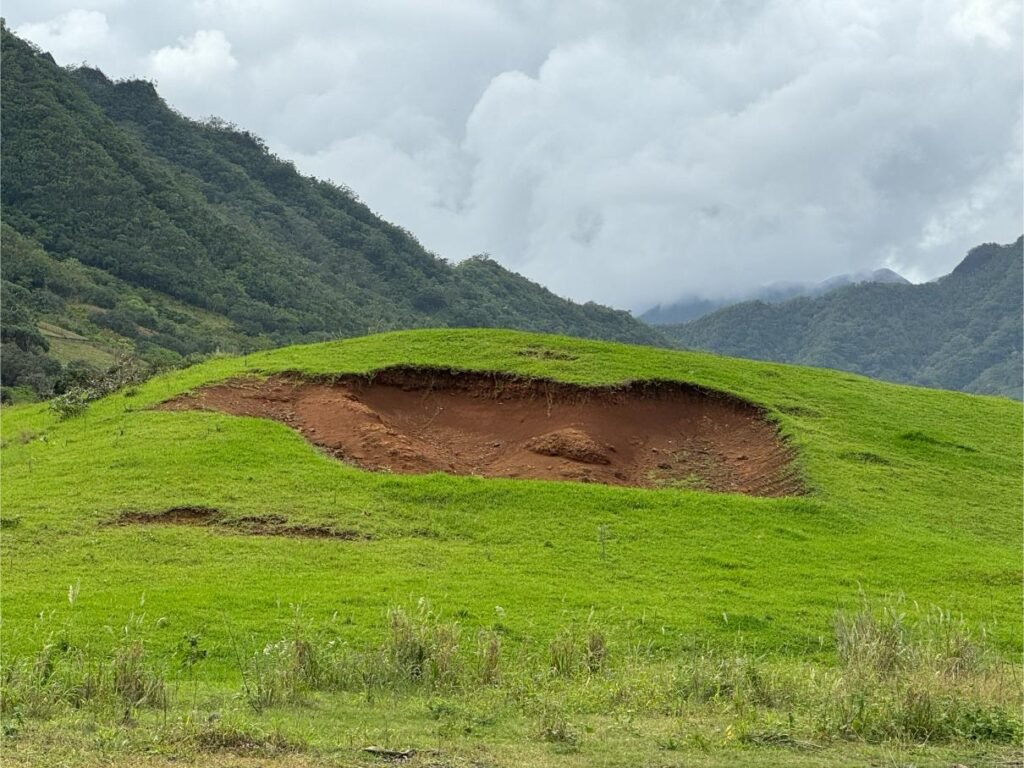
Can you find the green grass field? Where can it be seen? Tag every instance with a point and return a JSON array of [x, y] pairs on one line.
[[552, 623]]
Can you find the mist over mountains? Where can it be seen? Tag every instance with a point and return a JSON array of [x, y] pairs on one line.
[[685, 310]]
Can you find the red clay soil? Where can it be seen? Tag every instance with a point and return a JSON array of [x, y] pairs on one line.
[[415, 421]]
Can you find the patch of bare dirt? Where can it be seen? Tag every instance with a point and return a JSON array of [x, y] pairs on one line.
[[405, 420], [253, 525], [174, 516]]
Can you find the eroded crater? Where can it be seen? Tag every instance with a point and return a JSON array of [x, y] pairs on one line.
[[413, 421]]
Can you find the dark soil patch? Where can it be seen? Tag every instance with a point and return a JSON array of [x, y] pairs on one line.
[[174, 516], [543, 353], [865, 457], [648, 434], [263, 525]]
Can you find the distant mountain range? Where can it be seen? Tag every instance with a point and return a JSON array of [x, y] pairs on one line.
[[962, 331], [128, 228], [684, 311]]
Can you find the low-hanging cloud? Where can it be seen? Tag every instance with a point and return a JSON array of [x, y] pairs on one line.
[[630, 153], [196, 61], [75, 33]]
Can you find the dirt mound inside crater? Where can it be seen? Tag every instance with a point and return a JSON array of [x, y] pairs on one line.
[[571, 443], [647, 434]]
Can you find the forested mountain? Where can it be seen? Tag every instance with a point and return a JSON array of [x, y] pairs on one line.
[[127, 226], [962, 331], [687, 310]]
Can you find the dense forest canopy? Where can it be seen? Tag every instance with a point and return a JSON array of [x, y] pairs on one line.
[[962, 331], [130, 229]]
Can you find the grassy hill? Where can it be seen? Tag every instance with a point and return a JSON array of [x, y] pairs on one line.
[[961, 332], [506, 622], [138, 231]]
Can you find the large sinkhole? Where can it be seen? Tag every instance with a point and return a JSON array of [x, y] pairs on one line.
[[650, 434]]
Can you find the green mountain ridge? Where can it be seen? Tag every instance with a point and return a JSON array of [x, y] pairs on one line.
[[143, 232], [961, 332]]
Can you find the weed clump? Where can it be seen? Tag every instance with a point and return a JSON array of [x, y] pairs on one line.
[[218, 736], [420, 649], [928, 679], [62, 675], [488, 657], [134, 680], [574, 651], [556, 729]]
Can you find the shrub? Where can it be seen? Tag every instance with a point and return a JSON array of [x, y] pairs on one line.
[[72, 403], [126, 372]]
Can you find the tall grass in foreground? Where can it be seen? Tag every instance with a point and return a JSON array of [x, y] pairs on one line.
[[897, 678], [61, 675]]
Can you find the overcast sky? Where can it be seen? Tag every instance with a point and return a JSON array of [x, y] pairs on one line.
[[629, 152]]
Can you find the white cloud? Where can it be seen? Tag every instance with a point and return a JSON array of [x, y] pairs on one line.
[[194, 61], [966, 214], [624, 152], [73, 36], [990, 20]]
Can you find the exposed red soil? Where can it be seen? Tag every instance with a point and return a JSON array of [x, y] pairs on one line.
[[255, 525], [646, 434]]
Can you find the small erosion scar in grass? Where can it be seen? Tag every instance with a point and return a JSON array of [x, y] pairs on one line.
[[649, 434], [250, 525]]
